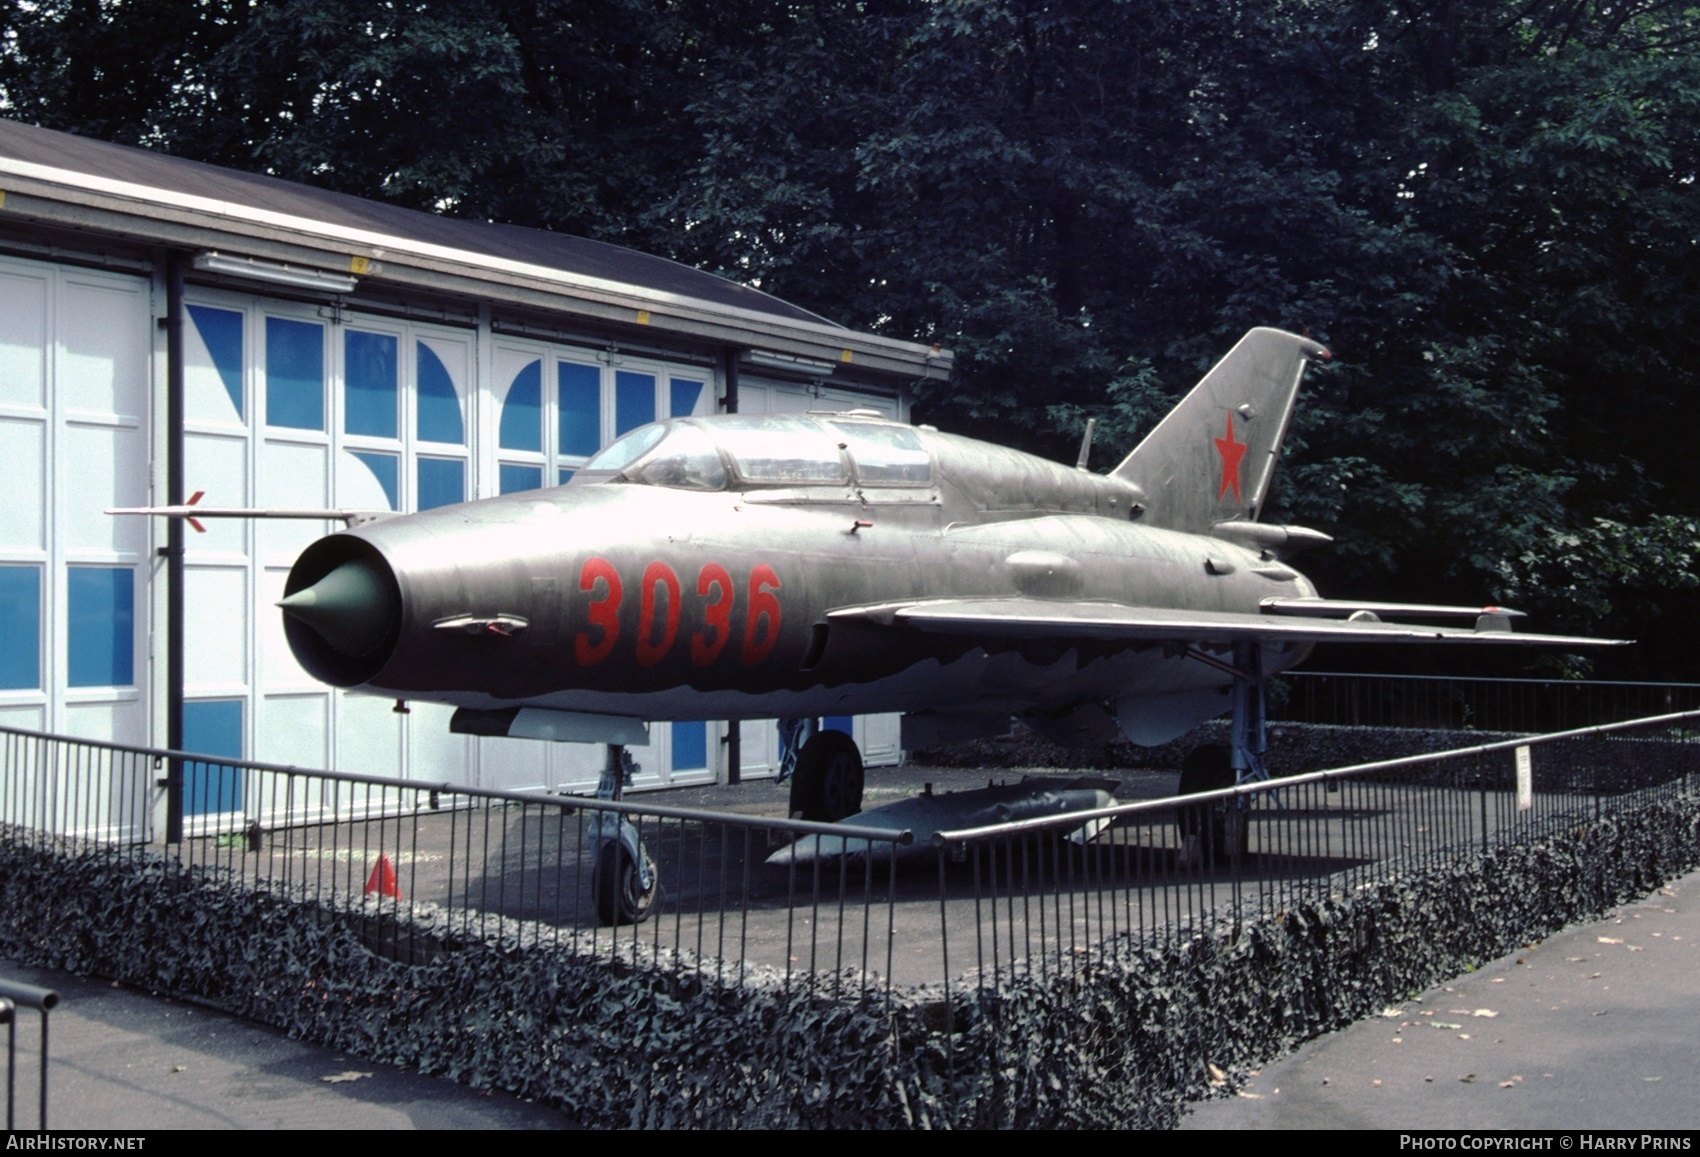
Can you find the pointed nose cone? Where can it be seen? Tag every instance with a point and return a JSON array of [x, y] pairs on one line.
[[352, 608]]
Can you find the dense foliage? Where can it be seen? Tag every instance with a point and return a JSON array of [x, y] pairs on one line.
[[1487, 209]]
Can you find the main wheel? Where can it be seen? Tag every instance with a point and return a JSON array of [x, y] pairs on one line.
[[1217, 831], [827, 785], [617, 887]]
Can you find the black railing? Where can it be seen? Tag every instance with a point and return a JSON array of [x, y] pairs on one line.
[[13, 996], [421, 865], [1038, 897], [416, 867]]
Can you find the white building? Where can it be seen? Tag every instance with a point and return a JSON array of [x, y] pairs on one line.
[[270, 344]]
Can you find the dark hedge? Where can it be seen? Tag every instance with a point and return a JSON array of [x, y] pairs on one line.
[[1122, 1040]]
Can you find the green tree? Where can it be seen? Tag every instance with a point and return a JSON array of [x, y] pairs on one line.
[[1486, 209], [561, 114], [1544, 155]]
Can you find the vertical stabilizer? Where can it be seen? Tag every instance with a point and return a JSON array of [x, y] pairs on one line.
[[1211, 459]]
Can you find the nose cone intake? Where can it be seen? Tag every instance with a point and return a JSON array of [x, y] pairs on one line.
[[342, 610], [352, 608]]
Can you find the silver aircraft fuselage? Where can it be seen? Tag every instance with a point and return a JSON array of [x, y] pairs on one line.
[[740, 567], [609, 597]]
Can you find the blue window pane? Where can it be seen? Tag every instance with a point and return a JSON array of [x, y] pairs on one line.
[[384, 469], [212, 727], [221, 330], [690, 746], [634, 400], [566, 477], [442, 482], [844, 723], [369, 370], [101, 626], [439, 404], [295, 374], [516, 478], [580, 409], [522, 411], [20, 627], [683, 397]]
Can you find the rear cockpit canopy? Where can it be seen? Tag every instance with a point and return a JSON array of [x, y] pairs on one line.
[[763, 450]]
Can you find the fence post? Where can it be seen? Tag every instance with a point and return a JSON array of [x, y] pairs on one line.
[[13, 994], [1482, 792], [8, 1012], [944, 959]]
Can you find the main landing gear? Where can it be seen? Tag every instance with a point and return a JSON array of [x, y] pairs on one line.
[[825, 770], [623, 881], [1220, 830]]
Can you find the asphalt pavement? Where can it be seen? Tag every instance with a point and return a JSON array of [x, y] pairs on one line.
[[122, 1061], [1594, 1028]]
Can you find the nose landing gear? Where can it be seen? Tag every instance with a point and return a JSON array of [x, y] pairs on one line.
[[623, 880]]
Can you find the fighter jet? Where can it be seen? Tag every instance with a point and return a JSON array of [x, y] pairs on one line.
[[796, 566]]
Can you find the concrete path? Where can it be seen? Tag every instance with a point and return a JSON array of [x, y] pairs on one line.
[[1597, 1027], [120, 1061]]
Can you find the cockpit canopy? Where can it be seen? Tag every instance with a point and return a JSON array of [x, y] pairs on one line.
[[761, 450]]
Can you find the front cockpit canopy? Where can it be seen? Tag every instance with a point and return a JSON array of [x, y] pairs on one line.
[[763, 450], [674, 454]]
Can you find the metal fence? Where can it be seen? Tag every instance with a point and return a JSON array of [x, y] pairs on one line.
[[417, 867], [1443, 702], [1026, 897], [15, 995]]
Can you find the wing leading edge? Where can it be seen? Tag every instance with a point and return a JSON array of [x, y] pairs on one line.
[[1027, 618]]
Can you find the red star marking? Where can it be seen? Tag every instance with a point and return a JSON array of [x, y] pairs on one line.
[[1231, 452]]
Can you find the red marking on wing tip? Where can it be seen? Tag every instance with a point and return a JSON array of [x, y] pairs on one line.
[[195, 497], [196, 523]]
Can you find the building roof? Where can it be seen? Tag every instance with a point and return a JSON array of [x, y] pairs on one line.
[[164, 200]]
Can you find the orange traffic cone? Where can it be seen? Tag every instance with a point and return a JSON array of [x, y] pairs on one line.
[[382, 879]]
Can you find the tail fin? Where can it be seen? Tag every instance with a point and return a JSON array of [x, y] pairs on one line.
[[1211, 459]]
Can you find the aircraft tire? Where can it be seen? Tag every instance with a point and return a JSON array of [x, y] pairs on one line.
[[1219, 835], [614, 883], [827, 785]]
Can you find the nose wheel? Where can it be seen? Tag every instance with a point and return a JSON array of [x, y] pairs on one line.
[[623, 880], [617, 883]]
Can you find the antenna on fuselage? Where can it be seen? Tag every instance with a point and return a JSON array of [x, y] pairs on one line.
[[1086, 444]]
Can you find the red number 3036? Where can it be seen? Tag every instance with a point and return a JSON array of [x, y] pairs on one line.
[[660, 610]]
